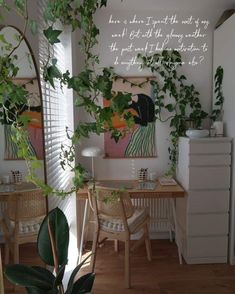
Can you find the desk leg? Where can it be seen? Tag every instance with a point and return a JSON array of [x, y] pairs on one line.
[[177, 241], [83, 231]]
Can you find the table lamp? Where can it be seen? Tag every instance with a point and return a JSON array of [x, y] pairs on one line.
[[92, 152]]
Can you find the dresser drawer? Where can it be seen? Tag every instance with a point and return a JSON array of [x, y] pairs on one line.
[[207, 224], [209, 160], [208, 201], [209, 177], [207, 247], [209, 148]]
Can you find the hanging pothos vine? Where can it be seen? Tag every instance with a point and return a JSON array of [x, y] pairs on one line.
[[174, 99]]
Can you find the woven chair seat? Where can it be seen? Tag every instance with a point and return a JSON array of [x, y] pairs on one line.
[[116, 225], [27, 227]]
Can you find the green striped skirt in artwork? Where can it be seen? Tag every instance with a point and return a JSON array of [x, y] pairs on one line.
[[142, 142]]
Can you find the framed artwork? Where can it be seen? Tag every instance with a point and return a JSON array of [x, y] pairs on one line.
[[34, 111], [140, 142]]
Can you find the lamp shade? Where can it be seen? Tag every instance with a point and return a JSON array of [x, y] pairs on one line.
[[92, 152]]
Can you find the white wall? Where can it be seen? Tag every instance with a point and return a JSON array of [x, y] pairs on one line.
[[224, 47], [200, 76]]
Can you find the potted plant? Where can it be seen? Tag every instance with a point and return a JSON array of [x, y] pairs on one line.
[[217, 112], [52, 245]]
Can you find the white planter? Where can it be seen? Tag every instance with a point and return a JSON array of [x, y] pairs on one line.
[[192, 133]]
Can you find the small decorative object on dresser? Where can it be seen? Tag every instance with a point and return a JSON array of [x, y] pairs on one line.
[[219, 128]]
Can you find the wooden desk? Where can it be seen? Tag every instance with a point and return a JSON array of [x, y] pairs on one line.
[[8, 189], [159, 192], [163, 192]]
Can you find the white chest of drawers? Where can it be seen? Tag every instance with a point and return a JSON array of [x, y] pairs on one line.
[[203, 215]]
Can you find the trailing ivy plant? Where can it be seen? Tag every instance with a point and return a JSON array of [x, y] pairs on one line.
[[88, 85], [175, 100], [219, 97]]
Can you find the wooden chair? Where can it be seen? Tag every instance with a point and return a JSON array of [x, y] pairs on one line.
[[116, 218], [22, 219]]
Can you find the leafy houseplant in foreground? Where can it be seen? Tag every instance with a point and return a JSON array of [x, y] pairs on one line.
[[52, 243]]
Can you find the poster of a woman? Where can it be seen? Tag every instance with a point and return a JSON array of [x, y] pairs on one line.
[[140, 141]]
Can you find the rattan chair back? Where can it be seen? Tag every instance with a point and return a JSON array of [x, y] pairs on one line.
[[113, 203], [26, 205]]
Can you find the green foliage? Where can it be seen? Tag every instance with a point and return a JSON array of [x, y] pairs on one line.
[[33, 26], [52, 247], [60, 231], [184, 100], [52, 35], [219, 97], [175, 100]]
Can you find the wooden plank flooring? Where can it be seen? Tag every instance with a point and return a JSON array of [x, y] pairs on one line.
[[163, 275], [28, 256]]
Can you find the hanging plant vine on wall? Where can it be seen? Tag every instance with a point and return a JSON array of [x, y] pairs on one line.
[[89, 85]]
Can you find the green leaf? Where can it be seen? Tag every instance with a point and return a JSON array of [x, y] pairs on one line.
[[26, 276], [84, 284], [48, 276], [2, 39], [170, 107], [52, 72], [103, 3], [77, 3], [48, 14], [120, 102], [52, 35], [20, 4], [73, 275], [60, 275], [60, 231], [33, 26]]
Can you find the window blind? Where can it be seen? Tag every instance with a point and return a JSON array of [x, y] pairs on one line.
[[55, 110], [57, 114]]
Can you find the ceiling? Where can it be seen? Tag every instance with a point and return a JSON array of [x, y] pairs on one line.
[[170, 4]]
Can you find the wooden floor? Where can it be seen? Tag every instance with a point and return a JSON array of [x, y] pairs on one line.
[[28, 256], [163, 275]]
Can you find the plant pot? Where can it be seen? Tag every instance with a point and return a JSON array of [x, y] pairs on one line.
[[194, 133]]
